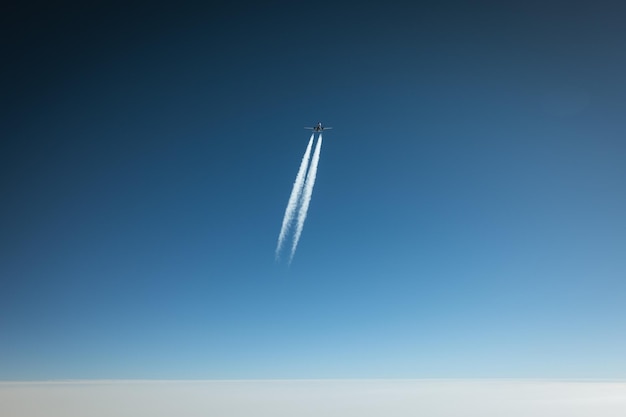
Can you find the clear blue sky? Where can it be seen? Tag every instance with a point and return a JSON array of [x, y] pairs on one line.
[[468, 218]]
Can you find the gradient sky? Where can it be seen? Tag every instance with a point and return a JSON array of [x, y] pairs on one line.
[[468, 218]]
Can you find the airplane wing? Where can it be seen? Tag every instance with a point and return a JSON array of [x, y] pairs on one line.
[[310, 128], [327, 128]]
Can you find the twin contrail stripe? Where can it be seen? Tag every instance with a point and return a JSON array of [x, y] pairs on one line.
[[306, 196], [294, 198]]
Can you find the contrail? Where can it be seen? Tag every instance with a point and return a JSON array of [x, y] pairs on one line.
[[296, 191], [306, 196]]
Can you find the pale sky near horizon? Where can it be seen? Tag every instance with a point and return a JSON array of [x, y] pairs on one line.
[[467, 220]]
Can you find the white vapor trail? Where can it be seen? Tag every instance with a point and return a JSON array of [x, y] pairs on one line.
[[296, 191], [306, 196]]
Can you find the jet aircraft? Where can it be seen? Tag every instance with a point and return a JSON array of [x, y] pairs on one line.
[[318, 127]]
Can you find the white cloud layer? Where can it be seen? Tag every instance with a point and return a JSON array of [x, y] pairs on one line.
[[329, 398]]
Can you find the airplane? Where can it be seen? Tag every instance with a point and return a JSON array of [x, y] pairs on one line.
[[318, 128]]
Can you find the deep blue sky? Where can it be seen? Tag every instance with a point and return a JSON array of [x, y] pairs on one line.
[[468, 218]]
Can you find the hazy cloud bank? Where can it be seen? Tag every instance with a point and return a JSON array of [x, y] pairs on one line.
[[345, 398]]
